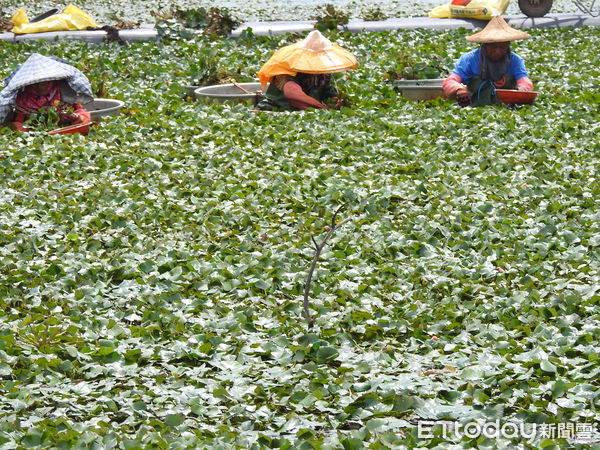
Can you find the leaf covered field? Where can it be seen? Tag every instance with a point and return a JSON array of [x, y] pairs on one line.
[[151, 273]]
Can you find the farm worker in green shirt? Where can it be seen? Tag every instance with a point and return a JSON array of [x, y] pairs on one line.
[[299, 75], [491, 66]]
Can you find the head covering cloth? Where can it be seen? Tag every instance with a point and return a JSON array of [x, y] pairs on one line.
[[38, 68], [493, 70]]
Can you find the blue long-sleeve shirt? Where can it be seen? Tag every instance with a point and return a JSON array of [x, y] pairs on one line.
[[468, 66]]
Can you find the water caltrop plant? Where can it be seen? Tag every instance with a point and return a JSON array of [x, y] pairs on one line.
[[152, 273], [330, 18], [44, 118], [47, 118], [214, 22]]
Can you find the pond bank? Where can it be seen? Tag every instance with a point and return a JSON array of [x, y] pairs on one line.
[[147, 32], [411, 23]]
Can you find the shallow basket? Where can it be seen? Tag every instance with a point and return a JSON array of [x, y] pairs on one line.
[[230, 92], [103, 107], [513, 96]]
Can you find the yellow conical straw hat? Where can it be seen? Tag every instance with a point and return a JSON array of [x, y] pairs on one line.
[[497, 30], [313, 54]]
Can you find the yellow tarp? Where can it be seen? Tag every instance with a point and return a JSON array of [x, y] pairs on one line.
[[474, 9], [71, 19]]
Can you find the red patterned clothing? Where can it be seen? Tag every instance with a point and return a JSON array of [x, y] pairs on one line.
[[29, 102]]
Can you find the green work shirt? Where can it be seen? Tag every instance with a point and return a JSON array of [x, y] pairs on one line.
[[274, 100]]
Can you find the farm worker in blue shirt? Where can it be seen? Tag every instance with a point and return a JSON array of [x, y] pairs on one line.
[[493, 65]]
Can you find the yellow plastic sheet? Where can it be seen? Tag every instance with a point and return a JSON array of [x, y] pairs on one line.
[[474, 9], [71, 19]]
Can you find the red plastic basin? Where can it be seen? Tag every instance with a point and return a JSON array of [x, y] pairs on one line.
[[514, 96], [82, 128]]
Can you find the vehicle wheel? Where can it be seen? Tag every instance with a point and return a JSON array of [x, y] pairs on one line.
[[535, 8]]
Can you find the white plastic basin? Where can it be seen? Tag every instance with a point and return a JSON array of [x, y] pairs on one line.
[[421, 92], [229, 92], [427, 89], [425, 82], [103, 107]]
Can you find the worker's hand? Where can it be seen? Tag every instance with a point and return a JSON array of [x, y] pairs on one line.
[[463, 96], [71, 118], [19, 126], [523, 88], [332, 103]]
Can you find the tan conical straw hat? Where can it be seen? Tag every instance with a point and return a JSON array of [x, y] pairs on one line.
[[313, 54], [497, 30]]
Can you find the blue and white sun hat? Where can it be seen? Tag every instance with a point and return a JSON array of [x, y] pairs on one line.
[[38, 68]]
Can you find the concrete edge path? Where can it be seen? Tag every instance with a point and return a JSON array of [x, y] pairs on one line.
[[148, 32], [413, 23]]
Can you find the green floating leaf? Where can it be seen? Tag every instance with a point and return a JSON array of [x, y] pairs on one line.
[[174, 420], [139, 406], [559, 388], [472, 373], [326, 354], [352, 444], [547, 366], [5, 369], [32, 439]]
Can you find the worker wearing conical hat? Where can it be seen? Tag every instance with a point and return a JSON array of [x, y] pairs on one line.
[[493, 65], [299, 75]]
